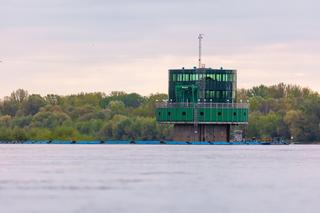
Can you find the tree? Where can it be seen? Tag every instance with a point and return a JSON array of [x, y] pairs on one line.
[[9, 107], [19, 96], [275, 111], [32, 104], [117, 107], [47, 119], [4, 120]]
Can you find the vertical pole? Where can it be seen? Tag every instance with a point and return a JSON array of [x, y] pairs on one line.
[[200, 37]]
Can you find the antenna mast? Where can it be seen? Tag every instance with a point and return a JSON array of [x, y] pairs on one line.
[[200, 37]]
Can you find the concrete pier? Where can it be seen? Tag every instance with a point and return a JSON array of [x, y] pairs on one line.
[[203, 132]]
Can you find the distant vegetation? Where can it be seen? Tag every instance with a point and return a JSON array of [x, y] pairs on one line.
[[283, 111], [90, 116], [275, 111]]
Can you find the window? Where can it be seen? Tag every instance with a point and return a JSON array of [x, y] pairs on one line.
[[184, 113], [201, 113], [178, 77], [174, 77], [208, 94], [213, 77], [219, 113], [230, 77], [234, 114], [218, 76], [169, 113]]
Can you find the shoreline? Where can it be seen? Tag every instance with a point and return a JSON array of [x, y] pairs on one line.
[[145, 142]]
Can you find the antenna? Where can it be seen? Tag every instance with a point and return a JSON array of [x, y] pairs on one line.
[[200, 37]]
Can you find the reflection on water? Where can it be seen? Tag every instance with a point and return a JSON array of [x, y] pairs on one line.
[[159, 178]]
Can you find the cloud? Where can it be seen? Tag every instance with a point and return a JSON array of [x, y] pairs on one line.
[[73, 46]]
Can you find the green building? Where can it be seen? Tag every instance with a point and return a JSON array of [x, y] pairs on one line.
[[202, 104]]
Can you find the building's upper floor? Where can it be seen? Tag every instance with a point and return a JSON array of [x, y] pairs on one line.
[[202, 85]]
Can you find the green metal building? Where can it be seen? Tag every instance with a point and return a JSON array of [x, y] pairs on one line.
[[202, 104]]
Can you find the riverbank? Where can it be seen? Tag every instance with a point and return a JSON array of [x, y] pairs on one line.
[[145, 142]]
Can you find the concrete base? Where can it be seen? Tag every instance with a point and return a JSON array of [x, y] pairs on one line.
[[204, 132]]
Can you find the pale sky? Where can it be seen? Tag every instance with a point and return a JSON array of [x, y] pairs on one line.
[[72, 46]]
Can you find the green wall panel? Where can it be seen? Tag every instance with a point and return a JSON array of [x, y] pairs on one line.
[[204, 115]]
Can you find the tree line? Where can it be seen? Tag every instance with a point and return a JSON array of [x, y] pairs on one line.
[[286, 111], [86, 116], [275, 111]]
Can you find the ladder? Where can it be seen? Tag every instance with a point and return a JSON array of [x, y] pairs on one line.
[[195, 121]]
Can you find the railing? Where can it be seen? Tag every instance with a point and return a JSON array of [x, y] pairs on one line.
[[201, 105]]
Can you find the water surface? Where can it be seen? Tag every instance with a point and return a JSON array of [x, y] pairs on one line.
[[159, 178]]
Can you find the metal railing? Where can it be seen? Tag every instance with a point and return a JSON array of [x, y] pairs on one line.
[[201, 105]]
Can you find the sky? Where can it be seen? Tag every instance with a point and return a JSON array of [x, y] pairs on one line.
[[72, 46]]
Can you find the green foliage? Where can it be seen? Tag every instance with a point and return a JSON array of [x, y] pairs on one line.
[[49, 117], [21, 122], [86, 116], [275, 111], [283, 111], [32, 104], [117, 107], [129, 100]]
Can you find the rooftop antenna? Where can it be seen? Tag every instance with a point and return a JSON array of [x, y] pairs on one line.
[[200, 37]]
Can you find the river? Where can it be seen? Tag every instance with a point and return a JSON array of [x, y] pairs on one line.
[[159, 178]]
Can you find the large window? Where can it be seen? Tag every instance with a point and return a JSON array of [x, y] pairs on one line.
[[223, 77]]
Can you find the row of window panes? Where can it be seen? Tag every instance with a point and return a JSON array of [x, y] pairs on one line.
[[202, 113], [196, 77], [219, 94]]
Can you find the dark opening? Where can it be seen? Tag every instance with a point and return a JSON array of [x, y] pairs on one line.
[[183, 113], [219, 113], [169, 113], [244, 114], [234, 113], [201, 113], [159, 113]]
